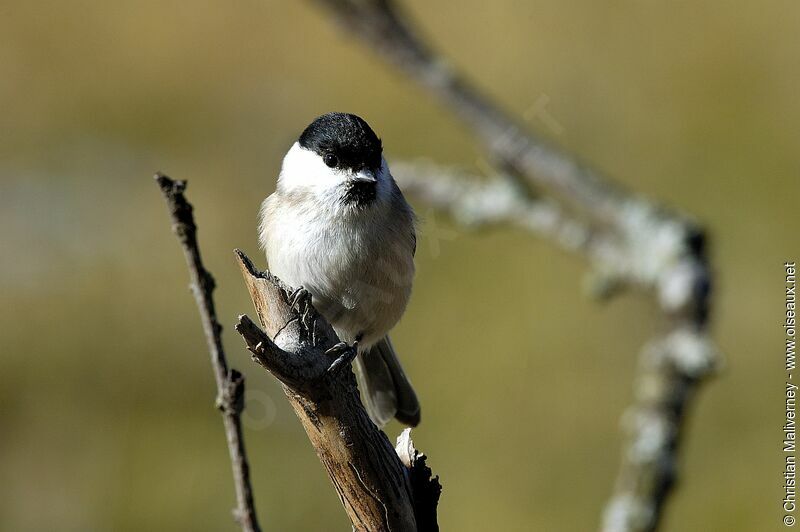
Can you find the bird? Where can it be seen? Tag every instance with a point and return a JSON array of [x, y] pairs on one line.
[[338, 227]]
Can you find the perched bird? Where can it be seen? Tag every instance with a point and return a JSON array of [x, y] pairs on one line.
[[338, 226]]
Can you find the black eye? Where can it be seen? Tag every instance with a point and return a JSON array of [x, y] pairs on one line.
[[330, 160]]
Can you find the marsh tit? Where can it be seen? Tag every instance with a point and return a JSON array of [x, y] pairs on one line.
[[338, 226]]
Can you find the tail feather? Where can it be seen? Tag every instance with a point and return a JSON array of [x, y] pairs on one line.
[[385, 389]]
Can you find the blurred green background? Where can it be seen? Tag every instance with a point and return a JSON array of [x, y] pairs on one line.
[[106, 397]]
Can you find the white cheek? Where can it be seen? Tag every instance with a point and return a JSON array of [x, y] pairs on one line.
[[304, 169]]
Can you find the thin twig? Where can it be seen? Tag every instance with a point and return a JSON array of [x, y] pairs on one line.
[[641, 244], [230, 383]]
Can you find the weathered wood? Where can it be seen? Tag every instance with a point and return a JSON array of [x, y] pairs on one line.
[[374, 486]]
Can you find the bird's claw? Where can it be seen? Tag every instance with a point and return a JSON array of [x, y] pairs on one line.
[[337, 349], [346, 355], [300, 299], [298, 295]]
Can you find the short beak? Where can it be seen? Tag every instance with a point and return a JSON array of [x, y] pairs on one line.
[[364, 176]]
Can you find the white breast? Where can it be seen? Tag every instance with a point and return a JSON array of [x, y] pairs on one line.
[[358, 268]]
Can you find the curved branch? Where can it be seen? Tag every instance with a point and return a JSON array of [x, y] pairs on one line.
[[477, 203]]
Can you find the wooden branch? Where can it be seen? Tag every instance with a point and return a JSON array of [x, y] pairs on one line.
[[378, 491], [634, 241], [230, 383]]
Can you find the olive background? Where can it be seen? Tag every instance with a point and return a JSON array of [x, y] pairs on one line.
[[106, 397]]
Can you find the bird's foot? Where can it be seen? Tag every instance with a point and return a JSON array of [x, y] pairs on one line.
[[345, 354], [298, 297]]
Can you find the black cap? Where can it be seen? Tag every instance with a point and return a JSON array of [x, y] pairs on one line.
[[344, 141]]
